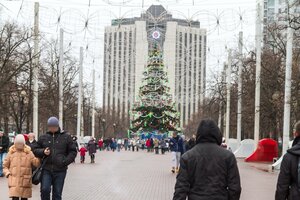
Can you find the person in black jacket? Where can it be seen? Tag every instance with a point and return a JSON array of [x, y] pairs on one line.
[[32, 143], [4, 144], [288, 184], [59, 151], [208, 171]]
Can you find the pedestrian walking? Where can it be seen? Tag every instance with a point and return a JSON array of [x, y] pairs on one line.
[[163, 146], [208, 171], [133, 144], [156, 145], [148, 145], [4, 143], [288, 184], [184, 144], [75, 143], [176, 144], [126, 143], [143, 144], [151, 144], [31, 142], [59, 148], [119, 144], [107, 143], [191, 143], [113, 144], [82, 150], [100, 144], [92, 149], [137, 144], [17, 168]]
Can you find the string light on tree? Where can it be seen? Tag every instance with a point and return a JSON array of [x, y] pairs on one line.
[[155, 111]]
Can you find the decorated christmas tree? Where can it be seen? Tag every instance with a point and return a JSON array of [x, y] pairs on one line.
[[155, 111]]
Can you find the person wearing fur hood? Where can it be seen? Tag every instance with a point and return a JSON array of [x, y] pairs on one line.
[[17, 167]]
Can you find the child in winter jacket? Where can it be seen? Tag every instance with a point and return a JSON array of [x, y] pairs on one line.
[[17, 168], [82, 150]]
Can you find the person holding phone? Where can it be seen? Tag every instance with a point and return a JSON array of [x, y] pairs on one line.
[[59, 147]]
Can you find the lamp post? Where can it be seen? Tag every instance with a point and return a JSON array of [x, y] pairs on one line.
[[276, 101], [21, 108], [115, 125]]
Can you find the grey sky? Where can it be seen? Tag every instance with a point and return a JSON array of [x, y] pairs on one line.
[[221, 18]]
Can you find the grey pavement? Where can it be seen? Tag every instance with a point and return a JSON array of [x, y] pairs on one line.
[[142, 176]]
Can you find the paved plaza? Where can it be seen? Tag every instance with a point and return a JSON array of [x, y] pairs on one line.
[[143, 176]]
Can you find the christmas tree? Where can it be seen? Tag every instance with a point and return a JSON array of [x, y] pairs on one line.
[[155, 111]]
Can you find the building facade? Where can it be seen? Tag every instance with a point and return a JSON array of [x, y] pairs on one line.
[[274, 14], [126, 52]]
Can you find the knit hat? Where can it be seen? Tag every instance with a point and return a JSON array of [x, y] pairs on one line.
[[19, 139], [53, 121]]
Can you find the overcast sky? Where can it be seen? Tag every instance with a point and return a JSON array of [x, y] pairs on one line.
[[223, 20]]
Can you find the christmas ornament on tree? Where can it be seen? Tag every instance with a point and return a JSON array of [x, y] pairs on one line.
[[155, 110]]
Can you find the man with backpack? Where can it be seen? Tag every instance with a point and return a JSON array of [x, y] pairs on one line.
[[288, 185]]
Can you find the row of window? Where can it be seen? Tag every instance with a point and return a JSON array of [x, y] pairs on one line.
[[188, 54], [117, 71]]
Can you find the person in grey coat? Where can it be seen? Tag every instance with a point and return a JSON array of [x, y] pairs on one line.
[[208, 171], [92, 149]]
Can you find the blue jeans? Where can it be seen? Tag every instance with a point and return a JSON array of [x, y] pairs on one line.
[[54, 179], [2, 157]]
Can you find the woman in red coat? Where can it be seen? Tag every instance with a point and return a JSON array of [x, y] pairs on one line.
[[100, 144], [148, 144]]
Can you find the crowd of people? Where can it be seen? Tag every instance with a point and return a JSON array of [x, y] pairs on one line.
[[206, 168]]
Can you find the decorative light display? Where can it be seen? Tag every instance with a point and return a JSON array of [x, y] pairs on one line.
[[155, 111]]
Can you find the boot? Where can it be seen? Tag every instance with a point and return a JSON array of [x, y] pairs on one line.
[[173, 170]]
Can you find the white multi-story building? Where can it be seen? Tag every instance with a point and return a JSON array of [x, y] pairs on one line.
[[126, 52], [275, 12]]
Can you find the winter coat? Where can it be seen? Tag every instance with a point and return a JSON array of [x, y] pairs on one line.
[[62, 150], [92, 147], [113, 144], [191, 143], [4, 143], [32, 144], [176, 144], [288, 185], [156, 143], [18, 165], [208, 172], [100, 143], [82, 150], [148, 143], [163, 144]]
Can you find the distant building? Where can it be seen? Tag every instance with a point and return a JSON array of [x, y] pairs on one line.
[[275, 12], [127, 42]]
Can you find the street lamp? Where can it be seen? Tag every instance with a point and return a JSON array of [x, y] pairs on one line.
[[103, 124], [115, 125]]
